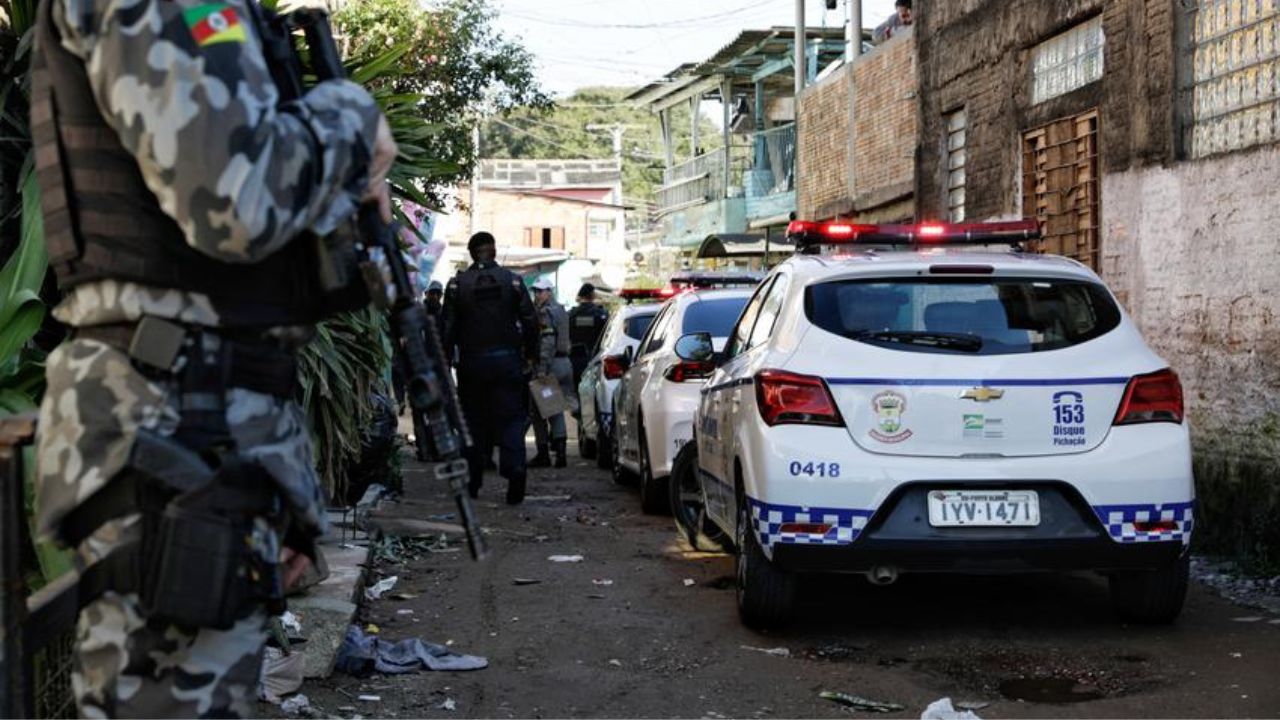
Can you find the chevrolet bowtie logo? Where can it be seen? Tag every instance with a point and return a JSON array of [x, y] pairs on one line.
[[982, 394]]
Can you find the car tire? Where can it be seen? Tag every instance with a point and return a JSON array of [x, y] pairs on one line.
[[765, 592], [604, 447], [687, 507], [653, 492], [587, 448], [621, 475], [1151, 597]]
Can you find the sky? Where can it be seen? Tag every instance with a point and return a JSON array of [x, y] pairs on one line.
[[580, 43]]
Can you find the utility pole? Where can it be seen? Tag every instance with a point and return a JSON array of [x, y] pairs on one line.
[[475, 179], [617, 130], [853, 35], [801, 66]]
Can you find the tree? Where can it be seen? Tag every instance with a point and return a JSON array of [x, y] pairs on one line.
[[456, 60]]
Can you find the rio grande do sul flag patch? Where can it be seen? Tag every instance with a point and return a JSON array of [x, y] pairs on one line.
[[214, 23]]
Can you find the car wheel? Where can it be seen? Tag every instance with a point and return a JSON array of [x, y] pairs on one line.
[[687, 506], [586, 447], [653, 493], [765, 593], [621, 475], [1151, 597], [604, 448]]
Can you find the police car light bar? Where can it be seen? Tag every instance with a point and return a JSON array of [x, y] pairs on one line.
[[634, 294], [809, 235]]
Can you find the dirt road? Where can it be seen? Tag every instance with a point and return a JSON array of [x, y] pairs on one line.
[[624, 633]]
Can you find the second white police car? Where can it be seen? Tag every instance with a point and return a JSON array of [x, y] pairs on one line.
[[894, 399]]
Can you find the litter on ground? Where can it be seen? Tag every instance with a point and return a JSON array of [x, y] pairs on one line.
[[361, 655], [524, 581], [859, 703], [376, 590], [777, 651], [295, 705], [689, 582], [565, 558], [943, 710], [602, 582]]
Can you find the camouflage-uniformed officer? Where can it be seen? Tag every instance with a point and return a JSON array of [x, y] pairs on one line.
[[178, 193], [553, 361]]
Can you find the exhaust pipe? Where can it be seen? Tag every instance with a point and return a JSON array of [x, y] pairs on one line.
[[882, 575]]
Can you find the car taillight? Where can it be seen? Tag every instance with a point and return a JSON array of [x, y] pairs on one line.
[[613, 366], [687, 370], [1156, 397], [787, 398]]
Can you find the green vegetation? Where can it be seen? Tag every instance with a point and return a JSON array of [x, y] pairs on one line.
[[561, 132]]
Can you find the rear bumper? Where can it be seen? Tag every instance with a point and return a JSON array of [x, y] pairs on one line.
[[1100, 554], [1072, 535]]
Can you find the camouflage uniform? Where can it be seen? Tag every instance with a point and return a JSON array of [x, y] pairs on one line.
[[553, 361], [241, 177]]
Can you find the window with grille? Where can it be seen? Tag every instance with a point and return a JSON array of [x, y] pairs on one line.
[[1060, 186], [1067, 61], [957, 126], [1235, 101]]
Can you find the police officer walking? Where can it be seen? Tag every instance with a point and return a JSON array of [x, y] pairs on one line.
[[433, 299], [586, 322], [181, 201], [490, 323], [553, 361]]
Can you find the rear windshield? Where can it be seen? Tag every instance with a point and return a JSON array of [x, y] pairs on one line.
[[713, 316], [969, 316], [635, 327]]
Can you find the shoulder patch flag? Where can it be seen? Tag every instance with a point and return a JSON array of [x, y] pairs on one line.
[[214, 23]]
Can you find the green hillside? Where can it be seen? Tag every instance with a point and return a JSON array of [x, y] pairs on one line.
[[561, 133]]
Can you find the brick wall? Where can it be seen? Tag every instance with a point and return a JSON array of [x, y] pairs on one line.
[[1191, 251], [881, 149], [886, 117], [974, 54], [822, 156]]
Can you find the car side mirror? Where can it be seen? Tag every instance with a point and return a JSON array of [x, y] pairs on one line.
[[696, 347]]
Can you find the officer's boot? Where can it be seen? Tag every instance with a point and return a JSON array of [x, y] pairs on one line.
[[542, 459], [559, 449], [515, 489]]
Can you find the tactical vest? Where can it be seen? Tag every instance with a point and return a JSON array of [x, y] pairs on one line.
[[488, 310], [102, 222], [586, 322]]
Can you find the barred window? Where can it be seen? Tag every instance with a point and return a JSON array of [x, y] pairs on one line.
[[1236, 75], [1067, 61]]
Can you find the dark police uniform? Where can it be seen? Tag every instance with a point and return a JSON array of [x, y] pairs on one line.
[[586, 322], [490, 321]]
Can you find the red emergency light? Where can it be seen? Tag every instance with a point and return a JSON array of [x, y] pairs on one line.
[[634, 294], [809, 236]]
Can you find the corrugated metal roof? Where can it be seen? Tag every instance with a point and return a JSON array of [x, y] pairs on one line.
[[750, 49]]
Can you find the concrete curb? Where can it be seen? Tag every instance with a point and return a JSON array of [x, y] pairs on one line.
[[327, 609]]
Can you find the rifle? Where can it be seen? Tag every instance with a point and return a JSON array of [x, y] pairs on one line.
[[441, 432]]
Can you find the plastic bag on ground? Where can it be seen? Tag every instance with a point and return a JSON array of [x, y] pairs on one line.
[[280, 675], [943, 710]]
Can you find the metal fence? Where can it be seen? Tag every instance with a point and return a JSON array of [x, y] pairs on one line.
[[774, 166], [36, 631]]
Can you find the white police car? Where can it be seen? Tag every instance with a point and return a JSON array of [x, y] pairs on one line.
[[659, 393], [600, 378], [895, 400]]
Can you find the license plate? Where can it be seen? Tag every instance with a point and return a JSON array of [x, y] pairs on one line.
[[984, 508]]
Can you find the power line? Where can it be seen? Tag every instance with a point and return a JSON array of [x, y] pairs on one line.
[[537, 137], [680, 23]]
